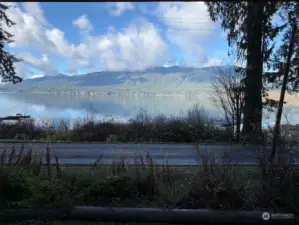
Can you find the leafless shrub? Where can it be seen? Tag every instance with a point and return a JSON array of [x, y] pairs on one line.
[[216, 185], [280, 178]]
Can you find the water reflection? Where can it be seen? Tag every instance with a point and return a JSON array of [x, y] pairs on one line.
[[124, 107]]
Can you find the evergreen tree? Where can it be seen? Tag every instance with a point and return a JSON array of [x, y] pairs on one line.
[[289, 14], [250, 29], [7, 60]]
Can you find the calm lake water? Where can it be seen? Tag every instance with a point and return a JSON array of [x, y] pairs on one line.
[[48, 107]]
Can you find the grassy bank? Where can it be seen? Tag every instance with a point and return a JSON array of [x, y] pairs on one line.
[[195, 126], [27, 183]]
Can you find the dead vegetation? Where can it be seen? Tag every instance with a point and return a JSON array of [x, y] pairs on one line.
[[29, 180]]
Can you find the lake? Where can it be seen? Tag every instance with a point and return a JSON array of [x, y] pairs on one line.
[[123, 107], [48, 107]]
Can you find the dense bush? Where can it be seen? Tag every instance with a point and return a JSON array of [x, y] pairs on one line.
[[280, 186], [193, 127], [25, 182]]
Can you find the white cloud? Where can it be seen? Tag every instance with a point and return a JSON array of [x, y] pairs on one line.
[[36, 76], [83, 23], [42, 64], [30, 32], [213, 62], [58, 44], [27, 29], [34, 9], [137, 47], [188, 24], [118, 8]]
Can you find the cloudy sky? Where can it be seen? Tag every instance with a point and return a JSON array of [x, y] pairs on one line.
[[75, 38]]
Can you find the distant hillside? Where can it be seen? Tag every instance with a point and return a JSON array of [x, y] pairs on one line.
[[157, 78]]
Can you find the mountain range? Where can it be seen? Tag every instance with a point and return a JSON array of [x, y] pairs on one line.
[[153, 79]]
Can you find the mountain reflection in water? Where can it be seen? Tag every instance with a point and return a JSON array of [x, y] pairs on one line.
[[117, 107]]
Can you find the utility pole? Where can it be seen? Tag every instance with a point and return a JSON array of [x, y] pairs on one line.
[[282, 93]]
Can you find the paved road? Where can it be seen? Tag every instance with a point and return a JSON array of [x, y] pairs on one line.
[[174, 154]]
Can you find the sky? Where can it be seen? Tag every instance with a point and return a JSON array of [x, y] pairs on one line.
[[80, 37]]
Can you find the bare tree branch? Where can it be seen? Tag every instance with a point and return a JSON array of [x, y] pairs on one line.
[[228, 96]]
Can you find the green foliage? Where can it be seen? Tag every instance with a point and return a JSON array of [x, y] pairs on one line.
[[7, 61], [290, 14], [15, 186], [251, 31], [209, 185], [233, 17]]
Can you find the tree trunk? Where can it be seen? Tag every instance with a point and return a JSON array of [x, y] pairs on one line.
[[282, 94], [238, 118], [252, 125], [233, 124]]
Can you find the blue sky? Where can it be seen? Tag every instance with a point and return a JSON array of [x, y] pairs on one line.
[[75, 38]]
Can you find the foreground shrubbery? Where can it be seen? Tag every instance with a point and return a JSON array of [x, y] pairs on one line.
[[196, 125], [26, 182]]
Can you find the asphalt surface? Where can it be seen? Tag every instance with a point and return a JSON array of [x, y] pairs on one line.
[[173, 154]]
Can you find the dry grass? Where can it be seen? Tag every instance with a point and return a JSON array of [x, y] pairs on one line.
[[280, 179], [29, 180], [194, 126]]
